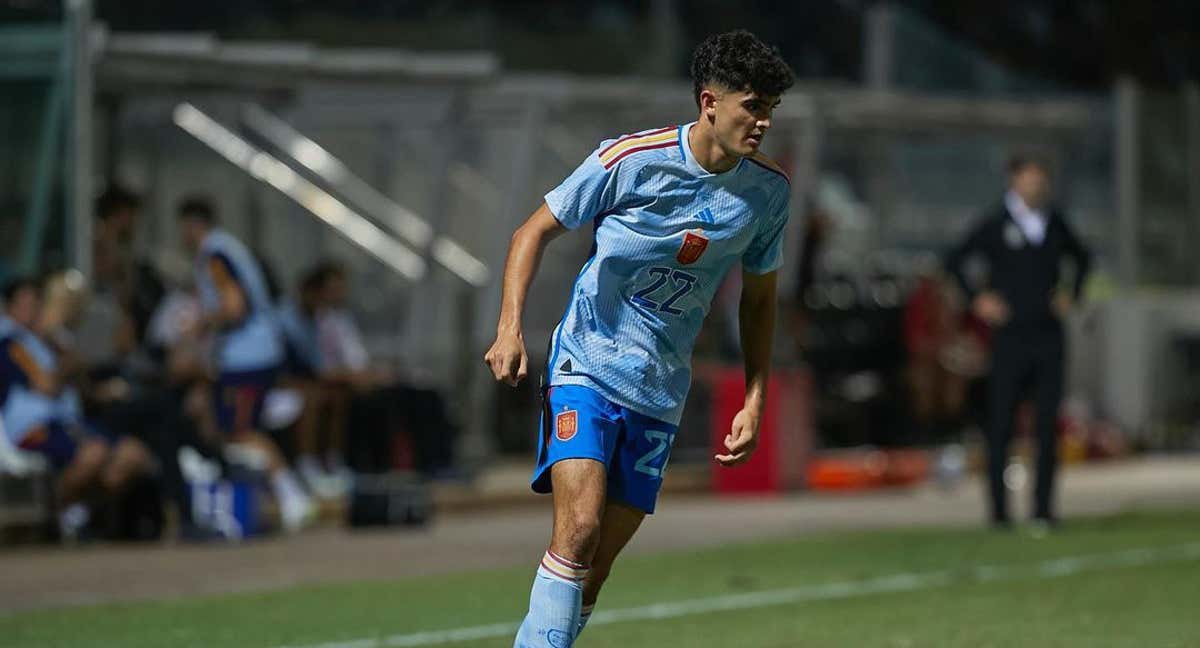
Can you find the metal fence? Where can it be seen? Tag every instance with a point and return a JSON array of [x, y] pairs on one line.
[[470, 152]]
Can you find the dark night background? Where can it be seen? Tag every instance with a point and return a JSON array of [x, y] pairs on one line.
[[1073, 45]]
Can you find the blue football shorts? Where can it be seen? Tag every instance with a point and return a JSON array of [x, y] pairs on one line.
[[59, 442], [238, 397], [578, 423]]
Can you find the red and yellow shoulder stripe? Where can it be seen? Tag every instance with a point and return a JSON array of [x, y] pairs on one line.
[[759, 158], [644, 141]]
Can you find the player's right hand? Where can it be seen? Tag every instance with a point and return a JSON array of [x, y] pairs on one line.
[[507, 359]]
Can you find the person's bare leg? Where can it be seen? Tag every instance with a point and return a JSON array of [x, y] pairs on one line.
[[129, 459], [336, 406], [554, 602], [579, 493], [82, 472], [617, 527], [310, 418], [308, 432]]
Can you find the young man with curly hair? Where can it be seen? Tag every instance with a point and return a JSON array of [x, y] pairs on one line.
[[672, 210]]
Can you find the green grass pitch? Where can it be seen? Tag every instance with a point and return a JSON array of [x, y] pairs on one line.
[[1087, 585]]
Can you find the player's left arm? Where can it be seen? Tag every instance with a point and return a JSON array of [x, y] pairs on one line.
[[756, 319]]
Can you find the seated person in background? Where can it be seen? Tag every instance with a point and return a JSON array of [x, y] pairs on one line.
[[343, 354], [247, 347], [324, 403], [413, 420], [42, 411], [298, 319]]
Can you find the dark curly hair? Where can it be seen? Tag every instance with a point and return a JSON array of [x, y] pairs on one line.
[[739, 61]]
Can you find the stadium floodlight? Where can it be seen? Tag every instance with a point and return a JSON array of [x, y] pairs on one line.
[[401, 220], [267, 168]]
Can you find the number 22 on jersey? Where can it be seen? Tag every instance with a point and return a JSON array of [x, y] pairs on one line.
[[658, 296]]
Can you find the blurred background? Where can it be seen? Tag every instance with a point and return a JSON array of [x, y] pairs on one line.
[[400, 144]]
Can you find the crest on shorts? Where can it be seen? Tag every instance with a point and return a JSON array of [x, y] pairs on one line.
[[694, 244], [566, 424]]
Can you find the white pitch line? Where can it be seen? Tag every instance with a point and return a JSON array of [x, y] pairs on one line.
[[904, 582]]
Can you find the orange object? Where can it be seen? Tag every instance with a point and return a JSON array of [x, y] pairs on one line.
[[862, 469]]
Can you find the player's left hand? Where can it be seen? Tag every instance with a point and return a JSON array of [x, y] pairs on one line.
[[742, 438]]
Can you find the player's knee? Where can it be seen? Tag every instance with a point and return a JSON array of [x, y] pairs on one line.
[[581, 532], [91, 456], [130, 458]]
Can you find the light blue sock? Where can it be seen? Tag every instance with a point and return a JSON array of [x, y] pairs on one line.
[[553, 617], [585, 613]]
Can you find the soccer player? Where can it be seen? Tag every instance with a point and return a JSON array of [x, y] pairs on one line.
[[248, 350], [672, 210]]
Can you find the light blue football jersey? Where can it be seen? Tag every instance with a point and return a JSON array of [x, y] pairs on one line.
[[24, 407], [666, 234], [255, 343]]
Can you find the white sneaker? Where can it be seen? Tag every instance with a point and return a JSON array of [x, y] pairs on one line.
[[297, 513], [72, 521]]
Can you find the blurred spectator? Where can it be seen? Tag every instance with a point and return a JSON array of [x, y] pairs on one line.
[[390, 424], [247, 348], [298, 319], [133, 282], [42, 409], [1023, 241], [342, 351], [324, 403]]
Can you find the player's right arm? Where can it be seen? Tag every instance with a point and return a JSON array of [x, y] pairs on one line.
[[590, 190], [507, 358]]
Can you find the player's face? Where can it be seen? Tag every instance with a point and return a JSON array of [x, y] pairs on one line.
[[741, 120]]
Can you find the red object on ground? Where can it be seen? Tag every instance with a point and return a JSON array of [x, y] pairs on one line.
[[785, 433], [866, 468]]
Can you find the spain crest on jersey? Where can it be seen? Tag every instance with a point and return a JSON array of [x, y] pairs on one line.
[[566, 424], [694, 244]]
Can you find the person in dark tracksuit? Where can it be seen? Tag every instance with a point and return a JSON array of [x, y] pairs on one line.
[[1023, 242]]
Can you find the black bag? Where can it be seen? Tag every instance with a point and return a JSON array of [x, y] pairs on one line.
[[387, 499]]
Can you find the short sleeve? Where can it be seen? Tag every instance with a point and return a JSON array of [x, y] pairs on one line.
[[765, 253], [588, 192]]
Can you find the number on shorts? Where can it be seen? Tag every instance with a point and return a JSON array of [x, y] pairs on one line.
[[664, 440]]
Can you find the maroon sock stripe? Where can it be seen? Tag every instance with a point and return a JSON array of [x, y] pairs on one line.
[[559, 571], [566, 563]]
